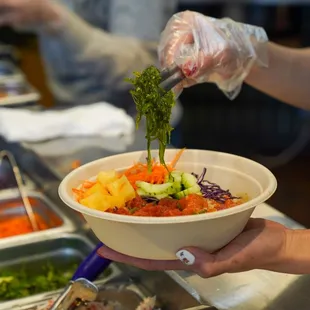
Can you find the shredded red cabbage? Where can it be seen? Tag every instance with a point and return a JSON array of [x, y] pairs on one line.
[[211, 190]]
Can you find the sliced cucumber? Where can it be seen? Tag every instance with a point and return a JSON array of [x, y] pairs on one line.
[[188, 180], [176, 176], [156, 189], [143, 193], [176, 179], [172, 176], [191, 190], [178, 185]]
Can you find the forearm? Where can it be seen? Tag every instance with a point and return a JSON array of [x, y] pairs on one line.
[[287, 76], [295, 258], [113, 57]]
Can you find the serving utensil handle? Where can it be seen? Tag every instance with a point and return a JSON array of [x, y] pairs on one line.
[[92, 266]]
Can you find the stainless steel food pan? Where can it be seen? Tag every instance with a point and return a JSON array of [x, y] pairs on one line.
[[61, 252], [11, 205]]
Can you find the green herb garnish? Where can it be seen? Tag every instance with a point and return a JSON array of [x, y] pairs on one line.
[[155, 104]]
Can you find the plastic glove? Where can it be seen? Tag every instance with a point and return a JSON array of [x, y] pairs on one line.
[[36, 14], [219, 51]]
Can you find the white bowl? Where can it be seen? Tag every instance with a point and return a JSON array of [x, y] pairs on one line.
[[162, 237]]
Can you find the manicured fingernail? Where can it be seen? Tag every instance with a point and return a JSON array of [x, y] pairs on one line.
[[186, 257]]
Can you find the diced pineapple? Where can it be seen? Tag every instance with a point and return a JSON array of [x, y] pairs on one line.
[[115, 201], [106, 177], [122, 188], [102, 202], [96, 188], [94, 200]]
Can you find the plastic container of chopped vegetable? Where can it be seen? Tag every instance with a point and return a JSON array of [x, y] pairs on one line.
[[161, 237]]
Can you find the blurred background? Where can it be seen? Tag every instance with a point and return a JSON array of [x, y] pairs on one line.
[[253, 125]]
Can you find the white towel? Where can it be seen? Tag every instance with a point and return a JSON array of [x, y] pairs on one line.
[[98, 119]]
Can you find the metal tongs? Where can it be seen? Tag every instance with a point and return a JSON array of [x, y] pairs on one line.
[[20, 185], [80, 290], [171, 77], [77, 293]]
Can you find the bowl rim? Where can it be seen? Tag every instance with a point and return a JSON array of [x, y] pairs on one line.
[[252, 203]]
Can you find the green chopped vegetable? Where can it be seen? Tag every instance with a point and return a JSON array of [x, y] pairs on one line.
[[155, 104], [25, 282]]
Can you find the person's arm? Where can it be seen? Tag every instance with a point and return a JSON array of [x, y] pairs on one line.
[[227, 53], [114, 56], [287, 76], [132, 46], [296, 259]]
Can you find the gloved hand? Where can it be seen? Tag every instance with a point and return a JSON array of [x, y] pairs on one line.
[[219, 51], [30, 14]]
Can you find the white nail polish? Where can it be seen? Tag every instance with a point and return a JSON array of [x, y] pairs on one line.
[[186, 257]]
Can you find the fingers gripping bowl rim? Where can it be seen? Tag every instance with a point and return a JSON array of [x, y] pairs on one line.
[[240, 175]]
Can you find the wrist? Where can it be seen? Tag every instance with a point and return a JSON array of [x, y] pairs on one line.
[[295, 255], [259, 68], [256, 71]]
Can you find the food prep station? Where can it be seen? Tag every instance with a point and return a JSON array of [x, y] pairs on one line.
[[67, 240], [44, 261], [64, 244], [174, 290]]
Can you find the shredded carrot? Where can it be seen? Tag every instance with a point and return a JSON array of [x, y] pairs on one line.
[[158, 174], [79, 193], [138, 172], [177, 158], [20, 225], [88, 184]]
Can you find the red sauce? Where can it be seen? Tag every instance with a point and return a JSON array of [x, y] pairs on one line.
[[190, 205]]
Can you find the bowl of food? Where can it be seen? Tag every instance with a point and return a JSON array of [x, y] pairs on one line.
[[150, 210]]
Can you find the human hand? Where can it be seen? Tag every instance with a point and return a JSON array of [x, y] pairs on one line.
[[27, 14], [262, 245], [219, 51]]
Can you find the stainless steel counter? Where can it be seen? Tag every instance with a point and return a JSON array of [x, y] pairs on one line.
[[254, 290]]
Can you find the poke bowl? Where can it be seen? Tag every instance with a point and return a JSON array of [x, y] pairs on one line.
[[207, 214]]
